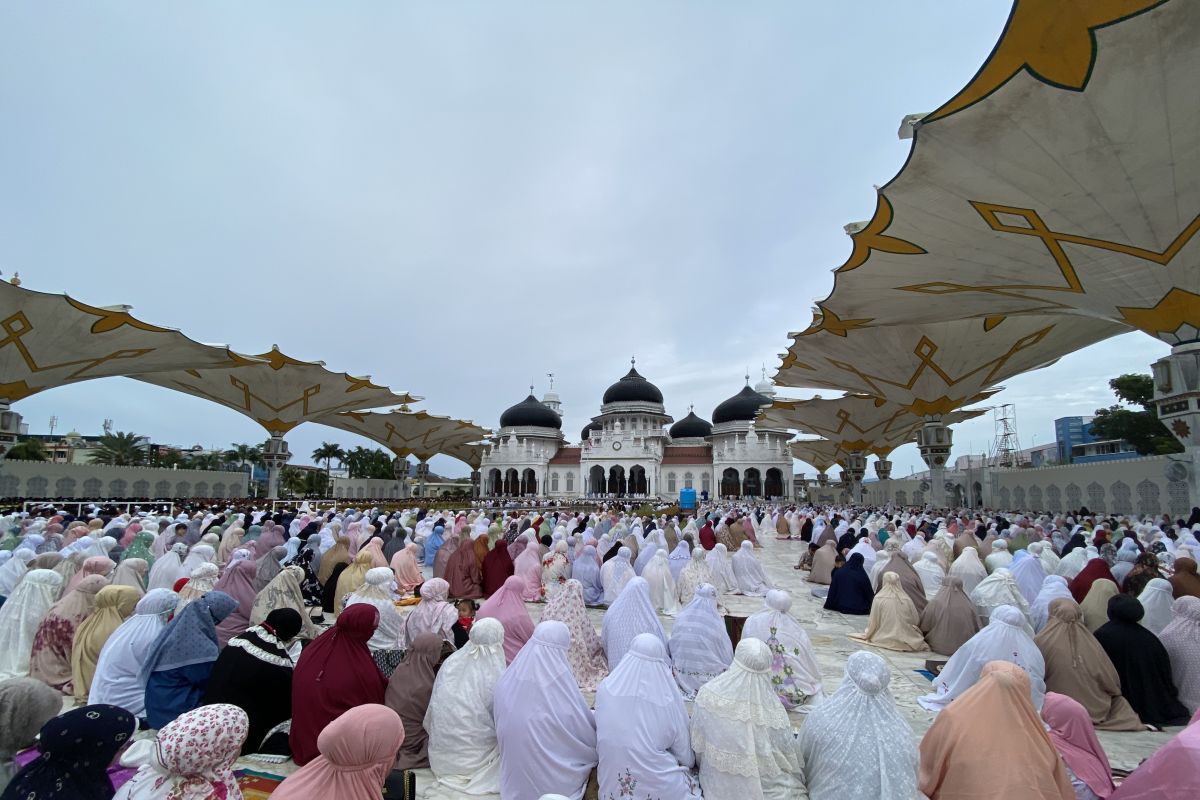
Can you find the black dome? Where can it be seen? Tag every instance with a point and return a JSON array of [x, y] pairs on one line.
[[531, 413], [633, 388], [691, 427], [742, 407], [587, 431]]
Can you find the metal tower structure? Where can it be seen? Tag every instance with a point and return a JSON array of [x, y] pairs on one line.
[[1006, 448]]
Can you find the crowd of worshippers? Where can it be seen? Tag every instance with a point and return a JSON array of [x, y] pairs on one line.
[[363, 645]]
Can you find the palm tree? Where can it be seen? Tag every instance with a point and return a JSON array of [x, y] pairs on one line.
[[209, 461], [329, 452], [28, 450], [119, 449], [243, 454]]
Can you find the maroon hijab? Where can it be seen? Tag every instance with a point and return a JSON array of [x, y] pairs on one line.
[[708, 537], [497, 567], [463, 573], [1095, 569], [334, 674]]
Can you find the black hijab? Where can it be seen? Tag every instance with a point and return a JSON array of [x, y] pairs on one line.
[[847, 540], [76, 750], [254, 673], [1142, 663], [1077, 540], [850, 588], [329, 590]]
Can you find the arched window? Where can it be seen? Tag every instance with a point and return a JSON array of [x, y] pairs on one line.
[[705, 482], [570, 481], [554, 481], [671, 482], [687, 480]]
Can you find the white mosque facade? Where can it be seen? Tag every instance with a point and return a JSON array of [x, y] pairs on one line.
[[628, 450]]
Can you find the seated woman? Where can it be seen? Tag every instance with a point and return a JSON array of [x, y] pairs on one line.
[[1076, 666], [632, 613], [180, 660], [117, 678], [546, 731], [978, 740], [385, 643], [1075, 740], [464, 754], [587, 653], [1167, 774], [254, 673], [408, 693], [795, 675], [751, 579], [642, 728], [1006, 638], [25, 706], [335, 673], [700, 647], [850, 588], [432, 615], [192, 757], [615, 573], [1182, 640], [1142, 664], [357, 751], [238, 582], [860, 717], [741, 734], [949, 620], [893, 623], [99, 731], [507, 606], [50, 658], [114, 604], [693, 576]]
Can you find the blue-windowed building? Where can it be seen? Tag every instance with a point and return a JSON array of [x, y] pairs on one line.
[[1077, 445]]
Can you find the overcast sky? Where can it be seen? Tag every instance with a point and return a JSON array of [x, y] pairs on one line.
[[459, 197]]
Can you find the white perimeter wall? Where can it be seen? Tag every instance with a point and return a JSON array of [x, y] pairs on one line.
[[36, 479]]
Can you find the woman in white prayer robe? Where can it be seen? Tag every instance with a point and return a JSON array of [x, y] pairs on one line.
[[930, 571], [889, 547], [118, 680], [1045, 553], [748, 571], [630, 614], [855, 744], [20, 617], [1053, 588], [742, 736], [546, 732], [464, 753], [1156, 599], [662, 587], [721, 568], [1027, 571], [693, 576], [969, 569], [642, 736], [1072, 563], [1006, 637], [646, 552], [168, 568], [999, 557], [914, 547], [680, 557], [700, 646], [998, 589], [615, 573], [868, 553], [795, 676]]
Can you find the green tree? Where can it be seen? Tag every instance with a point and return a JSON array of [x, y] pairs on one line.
[[1142, 429], [167, 458], [243, 454], [28, 450], [329, 452], [296, 482], [209, 461], [120, 449]]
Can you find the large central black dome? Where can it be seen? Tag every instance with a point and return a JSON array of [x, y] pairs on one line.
[[633, 388], [691, 427], [530, 413], [742, 407]]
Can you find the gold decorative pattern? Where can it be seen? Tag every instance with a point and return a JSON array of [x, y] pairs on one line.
[[409, 433], [1177, 308], [872, 237], [830, 322], [1052, 40]]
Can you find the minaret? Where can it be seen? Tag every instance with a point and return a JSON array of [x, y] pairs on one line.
[[550, 398], [764, 387]]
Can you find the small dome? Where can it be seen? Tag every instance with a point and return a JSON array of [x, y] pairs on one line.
[[633, 388], [691, 427], [530, 413], [587, 431], [742, 407]]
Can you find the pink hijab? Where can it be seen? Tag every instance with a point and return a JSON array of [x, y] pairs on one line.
[[408, 574], [507, 606], [528, 567], [357, 752], [1074, 738], [93, 565], [238, 583], [375, 548], [1170, 773], [131, 530]]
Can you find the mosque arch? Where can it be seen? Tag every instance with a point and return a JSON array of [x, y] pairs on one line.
[[37, 486], [529, 481], [64, 487], [616, 480], [730, 483], [773, 487], [596, 483], [511, 482], [494, 485], [752, 483], [637, 480], [162, 489]]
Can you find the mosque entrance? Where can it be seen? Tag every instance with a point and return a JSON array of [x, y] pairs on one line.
[[616, 481], [529, 482], [495, 486], [752, 483], [637, 480], [596, 483], [511, 482], [774, 485], [730, 483]]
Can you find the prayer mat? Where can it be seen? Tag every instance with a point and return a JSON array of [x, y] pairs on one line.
[[257, 785], [926, 673]]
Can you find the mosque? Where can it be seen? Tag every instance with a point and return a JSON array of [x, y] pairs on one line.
[[628, 450]]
